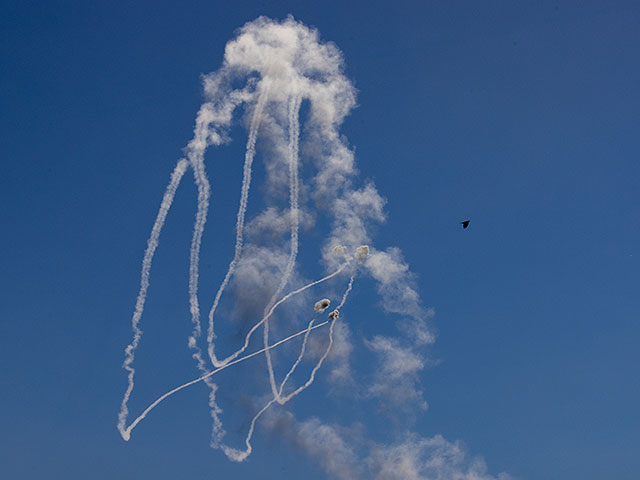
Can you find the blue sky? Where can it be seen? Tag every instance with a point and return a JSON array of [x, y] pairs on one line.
[[519, 116]]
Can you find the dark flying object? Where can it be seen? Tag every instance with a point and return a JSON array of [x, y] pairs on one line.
[[465, 224]]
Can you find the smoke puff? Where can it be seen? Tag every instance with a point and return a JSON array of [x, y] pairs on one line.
[[362, 252], [322, 305]]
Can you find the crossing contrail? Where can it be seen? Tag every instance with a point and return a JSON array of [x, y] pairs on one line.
[[240, 455], [126, 431]]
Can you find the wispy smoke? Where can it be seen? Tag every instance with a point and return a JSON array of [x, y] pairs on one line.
[[347, 453], [290, 91], [421, 458]]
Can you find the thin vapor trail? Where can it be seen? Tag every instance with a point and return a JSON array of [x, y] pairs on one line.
[[196, 151], [152, 245], [126, 432], [242, 209], [202, 183], [294, 139], [278, 396], [346, 293]]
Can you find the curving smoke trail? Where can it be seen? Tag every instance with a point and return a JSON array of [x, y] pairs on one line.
[[126, 431], [152, 245], [217, 430], [242, 210], [294, 191]]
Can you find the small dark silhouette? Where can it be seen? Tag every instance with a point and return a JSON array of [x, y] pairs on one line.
[[465, 224]]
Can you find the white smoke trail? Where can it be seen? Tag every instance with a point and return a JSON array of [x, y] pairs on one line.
[[278, 396], [294, 138], [196, 150], [218, 116], [242, 209], [152, 245], [199, 145], [346, 293]]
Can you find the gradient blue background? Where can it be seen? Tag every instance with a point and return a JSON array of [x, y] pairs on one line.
[[522, 116]]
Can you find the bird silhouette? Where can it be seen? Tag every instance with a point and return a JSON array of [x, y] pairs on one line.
[[465, 224]]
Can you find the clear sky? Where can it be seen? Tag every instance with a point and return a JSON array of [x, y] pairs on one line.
[[520, 116]]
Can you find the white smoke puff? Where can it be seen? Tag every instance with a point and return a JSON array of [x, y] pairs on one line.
[[349, 453], [417, 458], [353, 211], [339, 250], [322, 305], [362, 252]]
